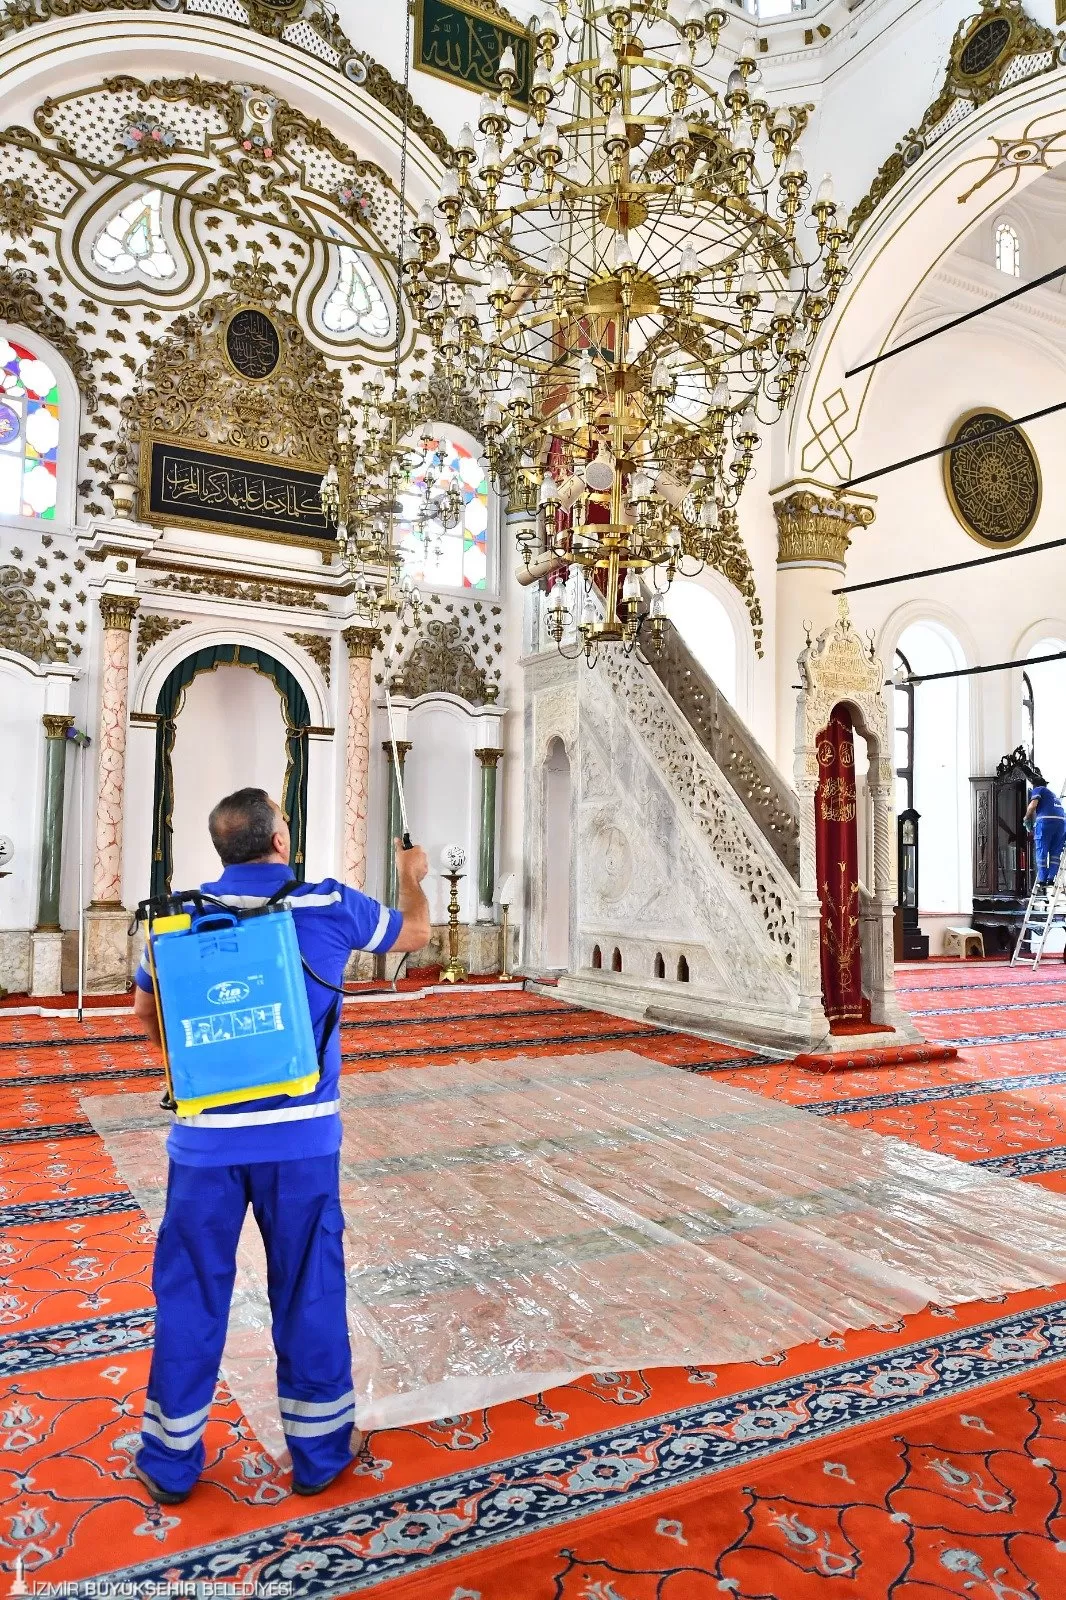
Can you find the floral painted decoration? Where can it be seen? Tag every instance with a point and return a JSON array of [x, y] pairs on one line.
[[256, 145], [356, 202], [148, 136]]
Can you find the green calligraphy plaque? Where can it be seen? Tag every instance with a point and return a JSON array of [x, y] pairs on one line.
[[462, 42]]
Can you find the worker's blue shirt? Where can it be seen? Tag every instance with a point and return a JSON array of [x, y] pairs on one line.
[[331, 921], [1048, 802]]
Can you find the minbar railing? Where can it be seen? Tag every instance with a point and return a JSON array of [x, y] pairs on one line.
[[731, 746]]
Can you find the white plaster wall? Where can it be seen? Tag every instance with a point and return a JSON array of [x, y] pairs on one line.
[[230, 735], [22, 704]]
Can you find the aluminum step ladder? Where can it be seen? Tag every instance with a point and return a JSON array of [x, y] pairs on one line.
[[1046, 910]]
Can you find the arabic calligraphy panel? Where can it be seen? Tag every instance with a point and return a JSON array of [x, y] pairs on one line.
[[463, 43], [253, 345], [203, 488]]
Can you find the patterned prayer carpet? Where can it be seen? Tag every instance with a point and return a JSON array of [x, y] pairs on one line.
[[925, 1458]]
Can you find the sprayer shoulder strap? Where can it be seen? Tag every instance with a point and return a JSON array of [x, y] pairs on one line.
[[334, 1018]]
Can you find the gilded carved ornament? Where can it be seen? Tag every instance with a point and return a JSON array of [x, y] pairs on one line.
[[319, 646], [24, 619], [817, 527], [310, 16], [152, 628], [983, 49], [191, 390], [22, 303], [838, 666], [55, 725]]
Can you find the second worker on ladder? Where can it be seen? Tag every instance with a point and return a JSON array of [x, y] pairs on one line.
[[1045, 815]]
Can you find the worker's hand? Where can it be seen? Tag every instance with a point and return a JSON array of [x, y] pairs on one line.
[[411, 864]]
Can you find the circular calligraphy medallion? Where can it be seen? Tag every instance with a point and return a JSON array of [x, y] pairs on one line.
[[253, 344], [10, 424], [993, 482], [984, 47]]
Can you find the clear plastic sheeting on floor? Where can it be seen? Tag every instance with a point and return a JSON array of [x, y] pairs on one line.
[[512, 1224]]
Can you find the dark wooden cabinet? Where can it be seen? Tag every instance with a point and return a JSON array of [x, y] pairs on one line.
[[1002, 855]]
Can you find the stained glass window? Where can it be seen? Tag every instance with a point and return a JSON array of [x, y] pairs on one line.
[[438, 556], [355, 303], [1008, 250], [133, 240], [29, 433]]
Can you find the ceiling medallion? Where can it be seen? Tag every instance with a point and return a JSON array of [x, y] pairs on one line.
[[993, 483]]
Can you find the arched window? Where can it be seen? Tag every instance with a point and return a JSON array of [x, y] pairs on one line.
[[1028, 717], [354, 304], [660, 965], [1047, 682], [707, 629], [436, 550], [1008, 250], [616, 960], [940, 761], [133, 240], [682, 969], [904, 706], [29, 433], [597, 957]]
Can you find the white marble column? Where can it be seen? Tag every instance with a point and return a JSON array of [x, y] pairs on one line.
[[361, 642], [106, 959]]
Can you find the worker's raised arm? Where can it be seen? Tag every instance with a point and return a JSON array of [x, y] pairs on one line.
[[411, 867]]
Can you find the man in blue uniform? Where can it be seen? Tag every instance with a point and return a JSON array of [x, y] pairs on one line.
[[1045, 815], [279, 1155]]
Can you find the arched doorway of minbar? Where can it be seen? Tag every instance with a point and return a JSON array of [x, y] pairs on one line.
[[845, 926], [169, 703]]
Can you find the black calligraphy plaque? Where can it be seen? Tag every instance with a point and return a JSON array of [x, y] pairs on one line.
[[252, 343], [204, 488], [460, 41], [984, 47]]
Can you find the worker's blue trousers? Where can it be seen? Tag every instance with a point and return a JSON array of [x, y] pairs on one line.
[[297, 1207], [1049, 835]]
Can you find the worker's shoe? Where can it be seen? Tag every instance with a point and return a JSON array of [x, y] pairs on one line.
[[308, 1489], [161, 1496]]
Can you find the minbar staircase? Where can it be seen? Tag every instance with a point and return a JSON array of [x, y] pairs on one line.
[[686, 906]]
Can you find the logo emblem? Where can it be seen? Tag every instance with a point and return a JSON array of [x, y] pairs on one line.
[[227, 994]]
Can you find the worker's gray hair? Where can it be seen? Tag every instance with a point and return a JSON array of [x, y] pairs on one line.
[[242, 826]]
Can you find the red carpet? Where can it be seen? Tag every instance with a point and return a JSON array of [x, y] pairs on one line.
[[922, 1459], [891, 1055]]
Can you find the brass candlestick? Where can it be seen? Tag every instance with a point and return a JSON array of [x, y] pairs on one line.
[[505, 974], [454, 972]]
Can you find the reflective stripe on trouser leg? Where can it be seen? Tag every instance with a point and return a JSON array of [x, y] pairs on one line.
[[195, 1262], [297, 1207]]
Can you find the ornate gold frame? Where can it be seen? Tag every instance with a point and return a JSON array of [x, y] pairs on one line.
[[960, 516], [149, 438]]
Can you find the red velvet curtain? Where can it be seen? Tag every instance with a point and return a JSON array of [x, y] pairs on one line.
[[837, 859]]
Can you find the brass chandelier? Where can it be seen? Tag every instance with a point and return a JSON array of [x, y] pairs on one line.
[[631, 271]]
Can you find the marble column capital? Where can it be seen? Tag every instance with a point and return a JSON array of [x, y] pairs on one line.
[[403, 748], [489, 756], [117, 611], [55, 726]]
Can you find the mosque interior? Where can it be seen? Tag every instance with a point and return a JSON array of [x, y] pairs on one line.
[[605, 440]]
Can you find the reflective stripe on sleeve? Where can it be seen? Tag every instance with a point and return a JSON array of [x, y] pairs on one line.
[[252, 1119], [380, 931]]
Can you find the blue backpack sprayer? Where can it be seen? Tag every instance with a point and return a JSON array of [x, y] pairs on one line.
[[234, 1019]]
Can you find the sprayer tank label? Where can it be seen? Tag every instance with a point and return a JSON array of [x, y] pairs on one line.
[[238, 1024]]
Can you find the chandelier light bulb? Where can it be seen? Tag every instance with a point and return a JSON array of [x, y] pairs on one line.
[[449, 185], [508, 64], [795, 166], [557, 261], [608, 63], [499, 279], [825, 192], [549, 489], [588, 378], [623, 255], [464, 144], [426, 217], [709, 515], [690, 266], [616, 130], [631, 589]]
